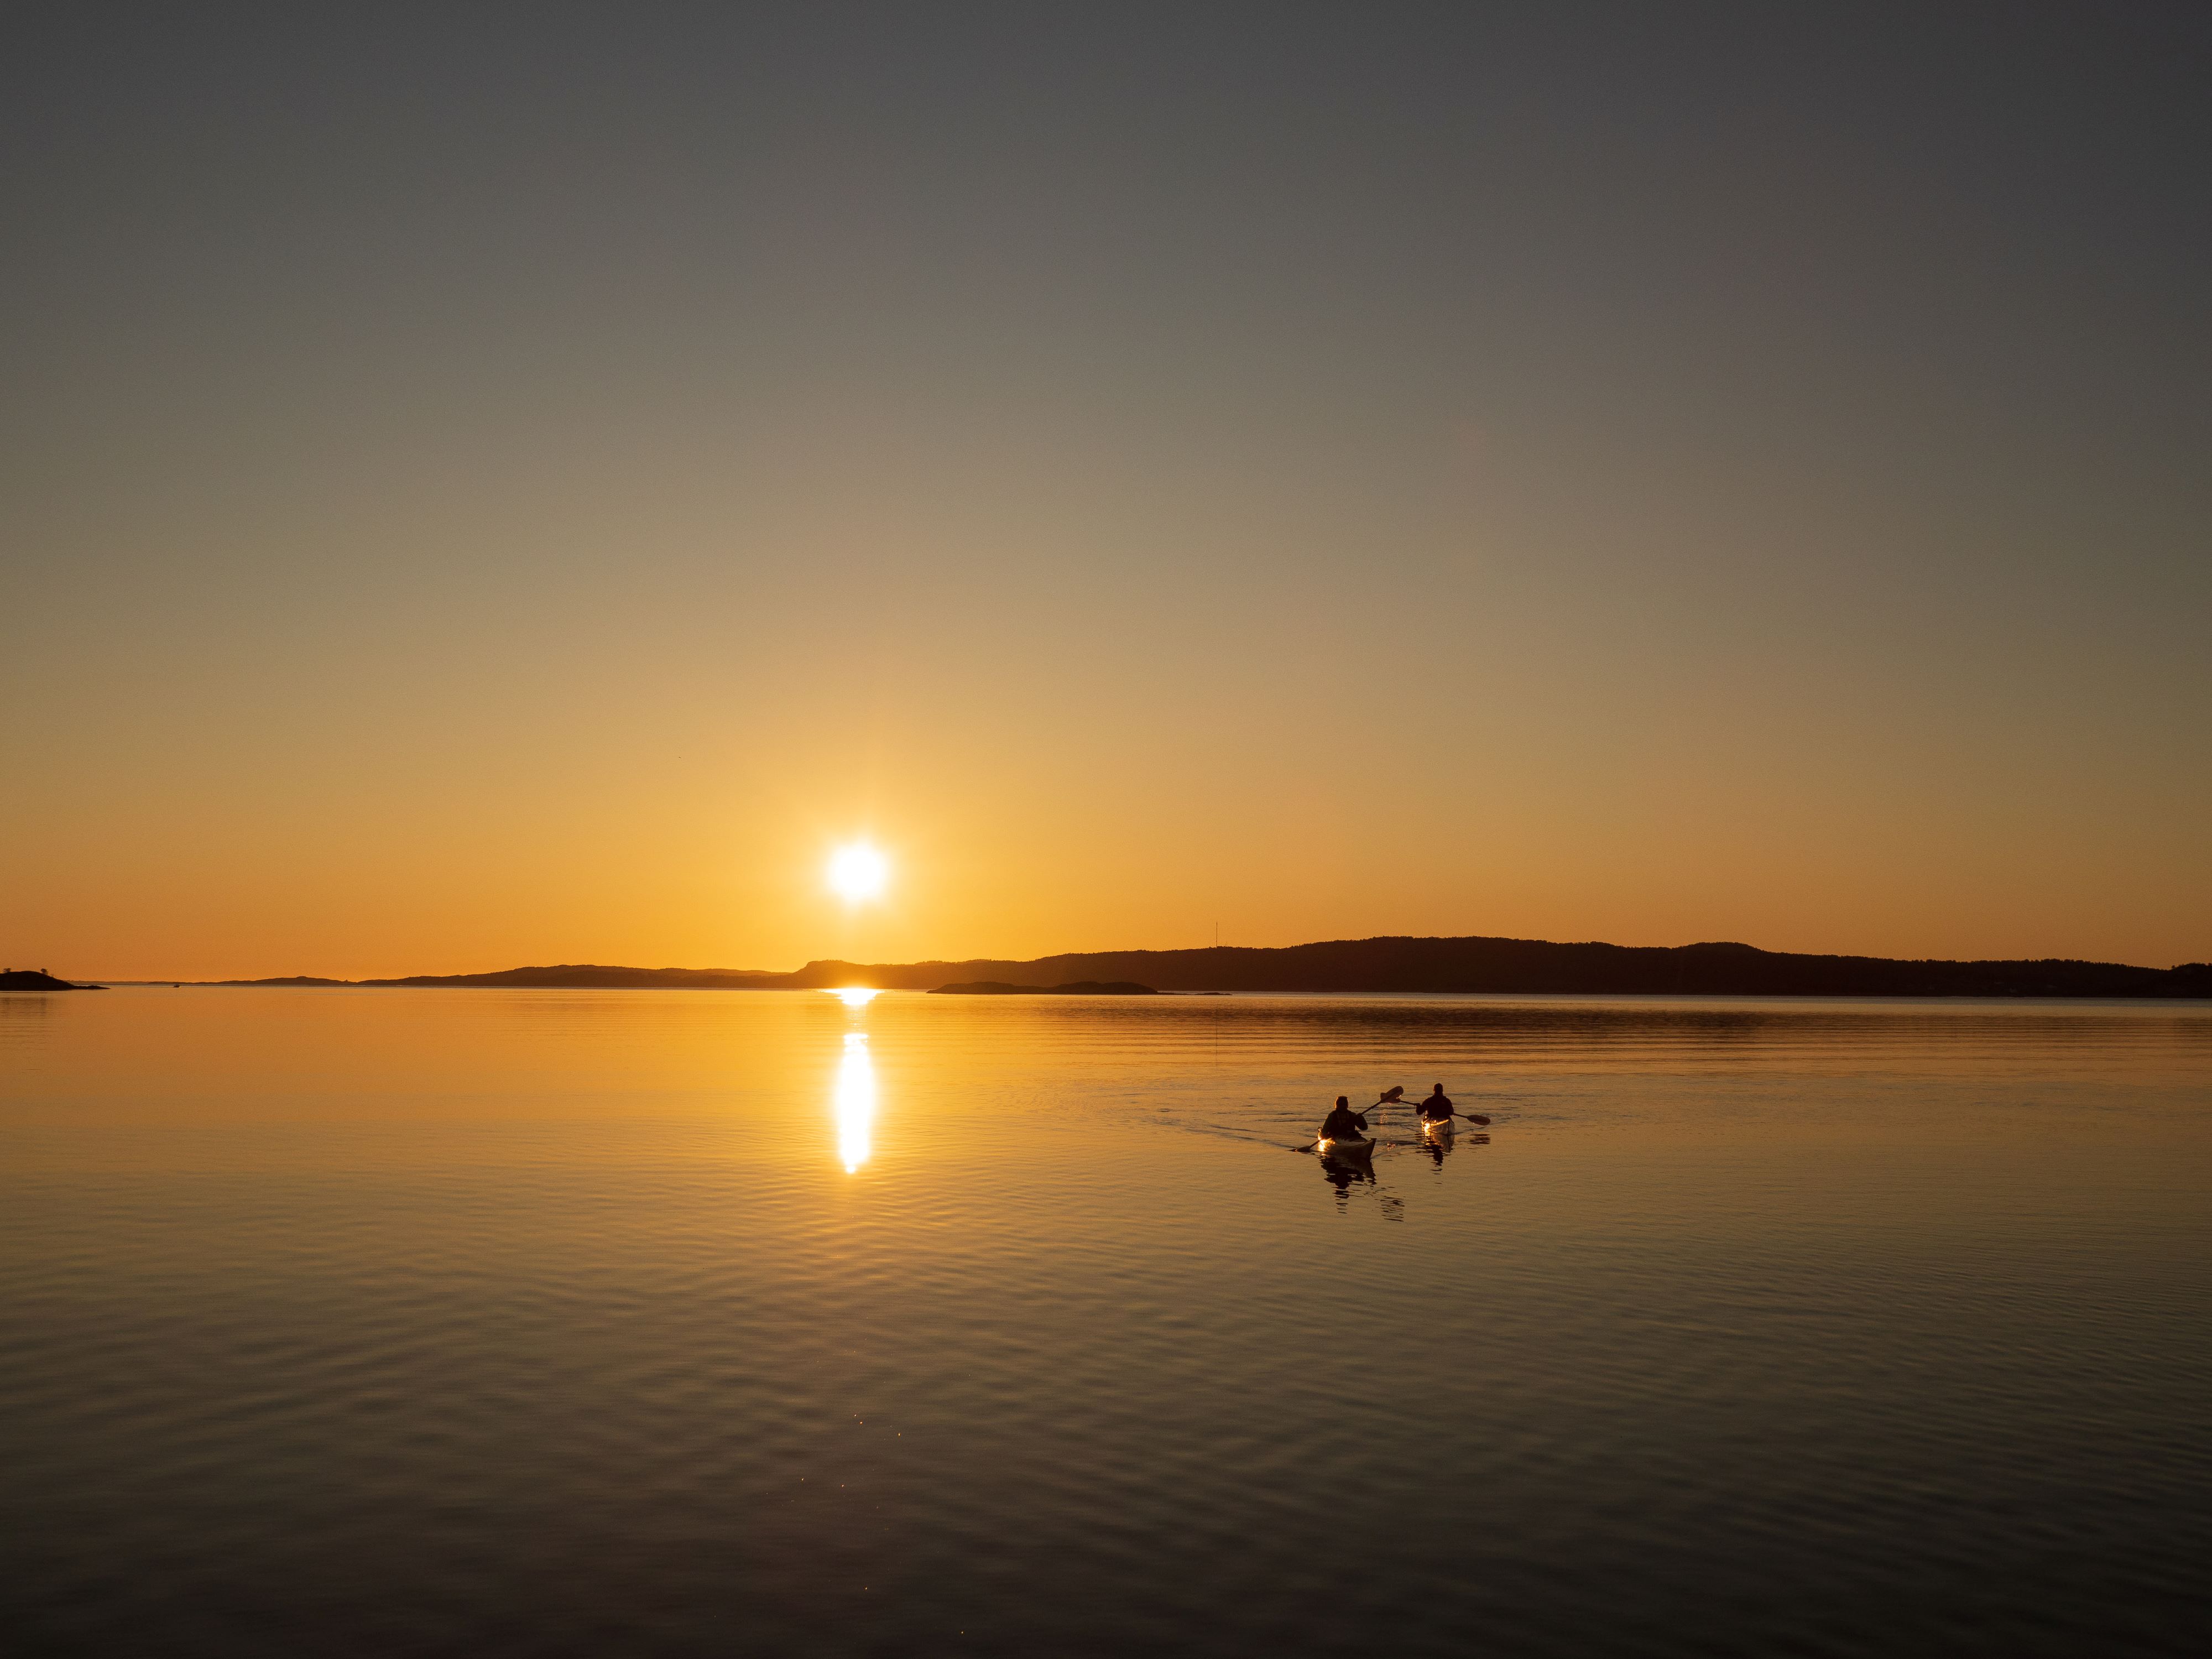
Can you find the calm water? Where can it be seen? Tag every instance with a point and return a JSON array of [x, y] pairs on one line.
[[458, 1323]]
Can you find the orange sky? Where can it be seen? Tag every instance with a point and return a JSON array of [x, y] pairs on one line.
[[1406, 481]]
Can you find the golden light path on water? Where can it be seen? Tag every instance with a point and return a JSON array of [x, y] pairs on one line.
[[855, 1094], [854, 1102]]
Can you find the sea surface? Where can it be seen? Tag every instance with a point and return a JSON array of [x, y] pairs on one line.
[[481, 1322]]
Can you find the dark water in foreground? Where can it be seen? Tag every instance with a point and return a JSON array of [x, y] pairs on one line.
[[464, 1323]]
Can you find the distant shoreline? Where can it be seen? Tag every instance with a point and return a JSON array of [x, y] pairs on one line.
[[1472, 965]]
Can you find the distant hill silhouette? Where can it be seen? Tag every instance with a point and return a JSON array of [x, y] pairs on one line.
[[37, 979], [1516, 967], [1503, 966], [289, 979]]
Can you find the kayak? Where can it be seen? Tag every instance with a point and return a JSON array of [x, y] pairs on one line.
[[1345, 1147], [1438, 1128]]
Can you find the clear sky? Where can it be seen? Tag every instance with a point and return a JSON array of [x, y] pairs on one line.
[[487, 485]]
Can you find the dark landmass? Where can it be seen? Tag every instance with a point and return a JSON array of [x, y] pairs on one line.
[[1498, 966], [1536, 967], [36, 979], [1081, 988], [292, 979]]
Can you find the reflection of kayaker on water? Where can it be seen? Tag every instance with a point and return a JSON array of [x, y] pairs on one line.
[[1344, 1123]]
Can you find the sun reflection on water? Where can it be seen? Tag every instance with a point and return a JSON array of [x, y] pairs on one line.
[[856, 996], [856, 1102]]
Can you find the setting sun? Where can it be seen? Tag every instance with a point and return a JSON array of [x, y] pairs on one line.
[[857, 871]]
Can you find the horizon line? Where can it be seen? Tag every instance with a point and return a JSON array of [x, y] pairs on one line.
[[1147, 950]]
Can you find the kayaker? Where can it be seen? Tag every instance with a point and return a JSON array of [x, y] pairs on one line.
[[1344, 1123], [1438, 1107]]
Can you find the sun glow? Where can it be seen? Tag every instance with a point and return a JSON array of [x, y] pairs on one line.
[[857, 871], [856, 1102], [856, 996]]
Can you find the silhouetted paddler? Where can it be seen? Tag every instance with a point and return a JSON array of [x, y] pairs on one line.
[[1344, 1123]]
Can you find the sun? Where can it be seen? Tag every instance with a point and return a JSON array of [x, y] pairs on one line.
[[857, 871]]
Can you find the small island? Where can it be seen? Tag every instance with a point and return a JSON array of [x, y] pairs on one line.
[[1081, 988], [38, 979]]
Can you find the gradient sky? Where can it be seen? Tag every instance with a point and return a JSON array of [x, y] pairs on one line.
[[519, 486]]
